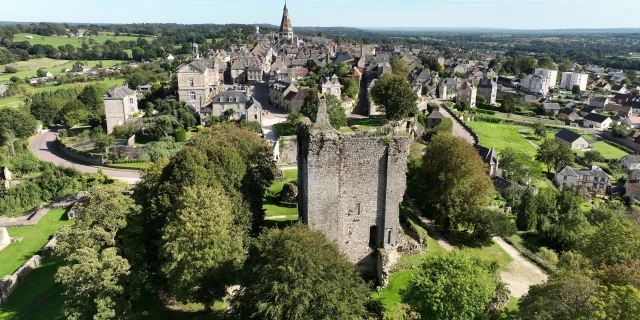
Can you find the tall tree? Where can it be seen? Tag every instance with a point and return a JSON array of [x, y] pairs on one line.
[[199, 265], [518, 167], [555, 155], [399, 66], [394, 96], [297, 273], [452, 286], [613, 242], [453, 180]]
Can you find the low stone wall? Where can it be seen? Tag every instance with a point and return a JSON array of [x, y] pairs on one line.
[[464, 125], [35, 215], [288, 150], [81, 156]]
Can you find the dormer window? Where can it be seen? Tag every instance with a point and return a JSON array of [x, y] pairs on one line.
[[230, 99], [237, 99], [221, 99]]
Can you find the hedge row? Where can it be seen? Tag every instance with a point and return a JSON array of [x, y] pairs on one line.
[[544, 264]]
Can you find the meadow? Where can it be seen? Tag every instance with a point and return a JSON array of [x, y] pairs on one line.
[[76, 42], [13, 102], [28, 69]]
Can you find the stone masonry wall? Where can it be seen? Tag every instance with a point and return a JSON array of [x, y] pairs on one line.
[[288, 150], [350, 187]]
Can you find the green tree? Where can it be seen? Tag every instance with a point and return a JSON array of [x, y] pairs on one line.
[[337, 115], [619, 131], [593, 156], [487, 224], [399, 67], [546, 62], [91, 97], [93, 284], [481, 100], [452, 286], [342, 70], [622, 274], [617, 302], [203, 271], [555, 155], [540, 130], [40, 73], [297, 273], [575, 90], [518, 167], [18, 121], [563, 296], [526, 218], [509, 104], [350, 87], [454, 178], [394, 96], [613, 242], [105, 141]]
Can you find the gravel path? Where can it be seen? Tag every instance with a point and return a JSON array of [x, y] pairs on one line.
[[523, 133], [521, 273], [43, 148], [458, 129]]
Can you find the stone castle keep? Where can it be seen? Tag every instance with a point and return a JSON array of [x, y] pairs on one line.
[[350, 187]]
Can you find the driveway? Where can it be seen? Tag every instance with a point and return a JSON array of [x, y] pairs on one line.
[[43, 148], [458, 129]]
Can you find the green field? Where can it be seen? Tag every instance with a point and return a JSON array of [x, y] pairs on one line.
[[607, 150], [33, 238], [271, 207], [501, 136], [76, 42], [17, 101], [27, 69]]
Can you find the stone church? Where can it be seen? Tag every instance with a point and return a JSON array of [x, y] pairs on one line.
[[350, 187]]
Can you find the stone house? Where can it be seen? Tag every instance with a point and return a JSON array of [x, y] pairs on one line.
[[551, 108], [572, 139], [597, 121], [594, 178], [246, 69], [198, 80], [295, 99], [278, 91], [467, 93], [434, 119], [244, 108], [631, 162], [569, 114], [120, 104], [331, 86], [488, 89]]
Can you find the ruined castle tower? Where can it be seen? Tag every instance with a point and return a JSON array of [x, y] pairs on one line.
[[350, 187]]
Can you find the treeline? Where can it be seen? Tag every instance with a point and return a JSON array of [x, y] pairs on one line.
[[69, 106]]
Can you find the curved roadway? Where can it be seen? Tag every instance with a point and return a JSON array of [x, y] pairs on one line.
[[43, 148]]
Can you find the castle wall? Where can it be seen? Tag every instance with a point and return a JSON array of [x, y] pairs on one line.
[[350, 187]]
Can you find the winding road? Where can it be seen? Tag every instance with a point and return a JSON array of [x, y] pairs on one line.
[[43, 148]]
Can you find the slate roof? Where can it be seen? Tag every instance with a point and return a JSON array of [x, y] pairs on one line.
[[633, 158], [489, 156], [285, 25], [594, 117], [551, 106], [567, 111], [245, 62], [567, 135], [119, 93], [578, 172], [435, 115], [225, 95], [343, 57]]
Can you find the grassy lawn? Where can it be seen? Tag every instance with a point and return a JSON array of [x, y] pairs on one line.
[[367, 122], [27, 69], [501, 136], [273, 208], [39, 288], [34, 238], [284, 130], [16, 101], [76, 42], [607, 150]]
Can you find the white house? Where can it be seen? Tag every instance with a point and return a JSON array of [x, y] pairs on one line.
[[594, 120], [593, 178], [631, 162], [550, 75], [536, 84]]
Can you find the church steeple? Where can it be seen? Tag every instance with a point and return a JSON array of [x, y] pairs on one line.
[[286, 30]]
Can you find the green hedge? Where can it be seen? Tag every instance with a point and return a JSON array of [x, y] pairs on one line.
[[489, 112], [181, 135]]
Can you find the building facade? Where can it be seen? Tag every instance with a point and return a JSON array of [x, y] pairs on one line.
[[467, 92], [535, 84], [550, 75], [198, 80], [594, 178], [488, 89], [570, 79], [286, 29], [120, 104], [331, 86]]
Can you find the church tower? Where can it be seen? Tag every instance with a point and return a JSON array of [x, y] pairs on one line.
[[194, 51], [286, 30]]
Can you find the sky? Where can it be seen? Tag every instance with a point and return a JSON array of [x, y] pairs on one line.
[[511, 14]]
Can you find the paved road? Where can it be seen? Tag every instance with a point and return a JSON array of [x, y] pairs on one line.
[[43, 148], [458, 129]]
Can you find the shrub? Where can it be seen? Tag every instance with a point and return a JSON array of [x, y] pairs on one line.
[[62, 133], [489, 112], [548, 255], [445, 126], [252, 126], [181, 135], [8, 69]]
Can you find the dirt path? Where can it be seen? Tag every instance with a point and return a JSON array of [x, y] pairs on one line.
[[523, 133], [521, 273]]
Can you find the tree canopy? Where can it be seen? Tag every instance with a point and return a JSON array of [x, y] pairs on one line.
[[394, 96]]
